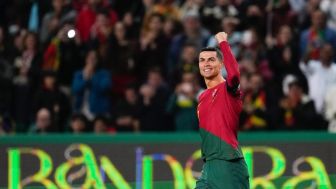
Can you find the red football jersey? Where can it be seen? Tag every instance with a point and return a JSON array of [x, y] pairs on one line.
[[218, 112]]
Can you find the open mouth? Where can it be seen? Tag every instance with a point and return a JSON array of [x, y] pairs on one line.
[[207, 70]]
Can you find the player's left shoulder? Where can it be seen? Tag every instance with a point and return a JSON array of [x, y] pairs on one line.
[[234, 91]]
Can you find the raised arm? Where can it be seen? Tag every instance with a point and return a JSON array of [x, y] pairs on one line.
[[230, 63]]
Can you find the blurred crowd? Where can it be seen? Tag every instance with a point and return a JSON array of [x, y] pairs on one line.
[[108, 66]]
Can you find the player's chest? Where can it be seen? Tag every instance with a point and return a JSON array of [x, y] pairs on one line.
[[211, 101]]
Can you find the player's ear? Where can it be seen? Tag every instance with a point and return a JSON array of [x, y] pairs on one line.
[[221, 64]]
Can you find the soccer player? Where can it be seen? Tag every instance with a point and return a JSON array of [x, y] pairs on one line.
[[218, 113]]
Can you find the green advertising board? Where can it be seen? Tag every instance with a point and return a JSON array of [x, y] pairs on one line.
[[160, 161]]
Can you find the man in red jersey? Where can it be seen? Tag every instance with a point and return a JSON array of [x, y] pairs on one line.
[[218, 113]]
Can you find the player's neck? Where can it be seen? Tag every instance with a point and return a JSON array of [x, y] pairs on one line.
[[214, 81]]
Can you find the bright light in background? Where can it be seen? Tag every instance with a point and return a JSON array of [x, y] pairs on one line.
[[71, 33]]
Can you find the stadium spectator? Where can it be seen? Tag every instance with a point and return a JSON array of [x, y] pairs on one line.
[[182, 104], [16, 45], [132, 26], [195, 80], [127, 111], [49, 96], [91, 87], [188, 59], [229, 25], [153, 44], [329, 7], [100, 125], [121, 59], [87, 17], [54, 19], [6, 76], [79, 124], [321, 75], [154, 95], [297, 110], [43, 122], [123, 7], [170, 28], [62, 55], [279, 13], [253, 15], [254, 116], [330, 108], [282, 54], [101, 28], [191, 5], [212, 16], [25, 81], [7, 125], [29, 60], [17, 14], [167, 8], [140, 11], [313, 38], [193, 33], [187, 63], [304, 10], [120, 51], [252, 55]]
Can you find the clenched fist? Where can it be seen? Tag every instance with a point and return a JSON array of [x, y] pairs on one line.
[[220, 37]]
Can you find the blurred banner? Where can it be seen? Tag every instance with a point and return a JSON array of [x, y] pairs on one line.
[[150, 161]]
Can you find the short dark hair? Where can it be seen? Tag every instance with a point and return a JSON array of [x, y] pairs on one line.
[[79, 116], [156, 70], [219, 53], [102, 118]]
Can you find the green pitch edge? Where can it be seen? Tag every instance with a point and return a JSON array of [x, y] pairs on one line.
[[170, 185], [193, 137]]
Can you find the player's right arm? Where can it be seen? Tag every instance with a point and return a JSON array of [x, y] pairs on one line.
[[230, 63]]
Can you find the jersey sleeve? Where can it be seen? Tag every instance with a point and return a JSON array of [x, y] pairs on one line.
[[232, 68]]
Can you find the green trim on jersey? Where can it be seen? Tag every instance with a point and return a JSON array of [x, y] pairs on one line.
[[224, 174], [215, 148]]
